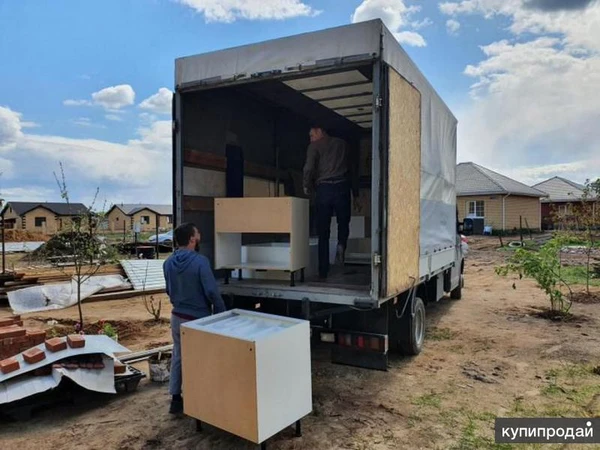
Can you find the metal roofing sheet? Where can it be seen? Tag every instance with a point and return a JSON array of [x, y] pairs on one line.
[[22, 247], [144, 274]]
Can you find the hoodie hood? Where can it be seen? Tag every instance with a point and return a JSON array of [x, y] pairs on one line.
[[182, 259]]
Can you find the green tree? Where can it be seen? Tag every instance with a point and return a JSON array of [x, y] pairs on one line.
[[544, 267]]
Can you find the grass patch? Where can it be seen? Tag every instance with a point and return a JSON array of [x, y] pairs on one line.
[[432, 400], [471, 440], [440, 334], [577, 275]]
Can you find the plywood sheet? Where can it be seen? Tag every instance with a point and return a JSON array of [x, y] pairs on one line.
[[204, 182], [333, 79], [348, 101], [221, 392], [258, 187], [299, 239], [253, 215], [404, 175]]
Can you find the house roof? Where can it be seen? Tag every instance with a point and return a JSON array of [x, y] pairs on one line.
[[131, 209], [60, 209], [473, 179], [560, 189]]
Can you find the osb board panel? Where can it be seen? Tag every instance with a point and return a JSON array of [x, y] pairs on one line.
[[404, 175], [193, 203], [219, 382], [257, 187], [253, 215], [300, 252]]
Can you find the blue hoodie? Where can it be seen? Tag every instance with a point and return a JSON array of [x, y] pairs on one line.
[[191, 285]]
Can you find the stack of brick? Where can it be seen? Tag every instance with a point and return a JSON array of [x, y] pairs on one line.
[[15, 339]]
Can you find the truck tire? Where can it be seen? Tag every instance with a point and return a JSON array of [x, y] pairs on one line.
[[412, 329], [456, 293]]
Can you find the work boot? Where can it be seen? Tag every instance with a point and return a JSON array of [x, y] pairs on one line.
[[176, 405]]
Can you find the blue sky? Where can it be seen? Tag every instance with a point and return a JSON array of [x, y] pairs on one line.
[[526, 119]]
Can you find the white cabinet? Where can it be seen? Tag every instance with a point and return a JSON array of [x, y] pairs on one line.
[[246, 372]]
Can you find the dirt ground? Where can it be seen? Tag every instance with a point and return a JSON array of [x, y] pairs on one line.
[[486, 355]]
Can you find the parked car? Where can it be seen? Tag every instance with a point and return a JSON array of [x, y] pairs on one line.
[[163, 239]]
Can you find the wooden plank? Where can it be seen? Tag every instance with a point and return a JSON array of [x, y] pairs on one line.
[[204, 160], [404, 187], [219, 381], [193, 203], [253, 215]]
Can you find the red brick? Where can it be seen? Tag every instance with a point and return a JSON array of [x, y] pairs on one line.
[[6, 321], [56, 344], [9, 365], [120, 368], [34, 355], [12, 331], [99, 366], [36, 334], [76, 341]]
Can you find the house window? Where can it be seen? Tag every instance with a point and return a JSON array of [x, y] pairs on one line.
[[169, 219], [40, 221], [565, 210], [117, 219], [145, 220], [476, 208]]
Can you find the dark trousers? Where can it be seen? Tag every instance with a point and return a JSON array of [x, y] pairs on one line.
[[332, 198]]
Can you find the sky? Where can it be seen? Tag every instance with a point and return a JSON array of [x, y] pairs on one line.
[[88, 84]]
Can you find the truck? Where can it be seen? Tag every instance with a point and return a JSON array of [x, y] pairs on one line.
[[241, 118]]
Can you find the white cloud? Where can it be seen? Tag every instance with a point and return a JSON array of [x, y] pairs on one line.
[[115, 97], [410, 38], [86, 122], [452, 26], [28, 193], [230, 10], [160, 102], [395, 14], [417, 25], [113, 117], [137, 170], [71, 102], [10, 128], [112, 98], [535, 104]]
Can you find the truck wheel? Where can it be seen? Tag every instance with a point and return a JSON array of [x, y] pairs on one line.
[[412, 329], [456, 293]]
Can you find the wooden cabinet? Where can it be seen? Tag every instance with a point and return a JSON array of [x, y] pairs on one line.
[[246, 372], [282, 215]]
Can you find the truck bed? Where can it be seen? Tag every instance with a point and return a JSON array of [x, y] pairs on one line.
[[346, 287]]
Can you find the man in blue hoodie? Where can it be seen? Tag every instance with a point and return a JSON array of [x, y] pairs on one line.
[[192, 289]]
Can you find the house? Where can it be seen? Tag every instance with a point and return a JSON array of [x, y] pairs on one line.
[[122, 217], [504, 203], [562, 194], [47, 218]]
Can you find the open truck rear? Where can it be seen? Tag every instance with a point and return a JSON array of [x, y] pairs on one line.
[[240, 129]]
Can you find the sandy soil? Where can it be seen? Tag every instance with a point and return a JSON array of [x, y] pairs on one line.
[[486, 355]]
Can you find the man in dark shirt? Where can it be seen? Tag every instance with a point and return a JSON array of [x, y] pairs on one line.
[[192, 289], [328, 173]]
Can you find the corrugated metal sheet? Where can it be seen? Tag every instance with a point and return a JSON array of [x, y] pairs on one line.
[[22, 247], [144, 274]]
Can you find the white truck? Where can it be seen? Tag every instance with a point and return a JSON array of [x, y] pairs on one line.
[[240, 129]]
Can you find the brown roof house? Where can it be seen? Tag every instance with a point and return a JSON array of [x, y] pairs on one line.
[[47, 218], [504, 203], [562, 195], [122, 217]]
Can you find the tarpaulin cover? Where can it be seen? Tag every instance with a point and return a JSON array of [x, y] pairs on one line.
[[438, 133], [17, 385], [63, 295]]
